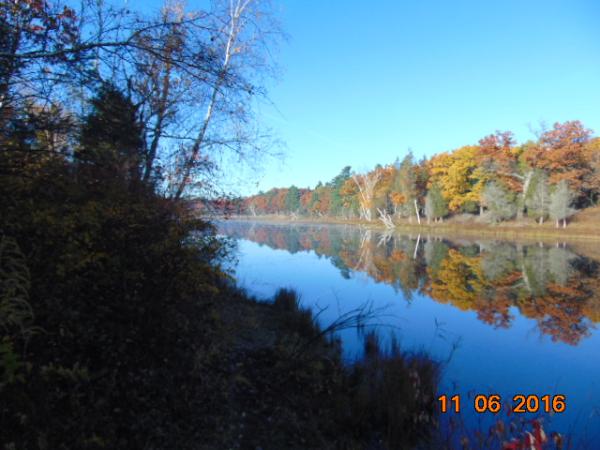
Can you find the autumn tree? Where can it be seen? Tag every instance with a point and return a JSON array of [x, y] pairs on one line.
[[498, 156], [349, 195], [592, 179], [262, 203], [383, 203], [278, 200], [320, 200], [561, 153], [499, 159], [366, 183], [455, 173], [306, 201], [456, 181], [34, 34], [336, 185]]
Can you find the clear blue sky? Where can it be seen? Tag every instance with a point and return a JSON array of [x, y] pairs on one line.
[[364, 81]]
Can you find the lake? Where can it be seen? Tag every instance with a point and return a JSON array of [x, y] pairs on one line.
[[506, 318]]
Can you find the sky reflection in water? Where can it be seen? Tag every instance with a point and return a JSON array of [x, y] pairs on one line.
[[512, 318]]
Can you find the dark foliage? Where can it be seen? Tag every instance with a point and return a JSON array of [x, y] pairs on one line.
[[111, 137], [120, 330], [117, 291]]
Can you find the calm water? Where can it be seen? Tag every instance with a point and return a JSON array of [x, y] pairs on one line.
[[509, 318]]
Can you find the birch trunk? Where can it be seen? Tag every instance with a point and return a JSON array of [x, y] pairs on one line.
[[417, 211], [234, 27]]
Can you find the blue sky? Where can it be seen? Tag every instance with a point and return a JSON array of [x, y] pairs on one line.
[[364, 81]]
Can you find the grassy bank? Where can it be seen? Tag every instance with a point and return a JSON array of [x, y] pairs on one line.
[[583, 227], [121, 330], [291, 389]]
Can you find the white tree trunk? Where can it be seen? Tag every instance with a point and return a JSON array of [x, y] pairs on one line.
[[234, 27], [366, 188], [386, 219], [417, 211], [417, 246]]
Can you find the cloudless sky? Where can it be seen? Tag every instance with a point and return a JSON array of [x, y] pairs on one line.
[[364, 81]]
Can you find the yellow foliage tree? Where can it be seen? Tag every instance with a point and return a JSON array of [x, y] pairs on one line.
[[458, 176]]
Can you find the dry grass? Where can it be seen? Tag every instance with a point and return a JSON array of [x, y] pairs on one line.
[[584, 226]]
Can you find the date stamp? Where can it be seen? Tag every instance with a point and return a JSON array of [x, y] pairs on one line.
[[494, 403]]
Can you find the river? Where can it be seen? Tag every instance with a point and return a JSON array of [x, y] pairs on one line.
[[505, 318]]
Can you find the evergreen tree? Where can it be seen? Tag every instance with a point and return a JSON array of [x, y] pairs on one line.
[[111, 136], [292, 199], [560, 203], [314, 199], [337, 202], [405, 184]]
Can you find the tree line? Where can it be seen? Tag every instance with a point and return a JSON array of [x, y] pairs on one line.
[[497, 179]]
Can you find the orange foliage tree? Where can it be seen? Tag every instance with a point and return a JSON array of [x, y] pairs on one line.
[[561, 153]]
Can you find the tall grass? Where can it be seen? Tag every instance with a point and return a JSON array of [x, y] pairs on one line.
[[386, 399], [16, 316], [393, 392]]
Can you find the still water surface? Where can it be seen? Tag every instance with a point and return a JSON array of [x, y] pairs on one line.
[[508, 318]]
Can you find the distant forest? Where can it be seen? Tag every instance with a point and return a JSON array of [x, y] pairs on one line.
[[498, 179]]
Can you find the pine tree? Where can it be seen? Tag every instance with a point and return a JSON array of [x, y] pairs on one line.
[[405, 186], [336, 184], [111, 137], [292, 199]]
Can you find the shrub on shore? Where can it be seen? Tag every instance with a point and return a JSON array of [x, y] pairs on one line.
[[120, 328]]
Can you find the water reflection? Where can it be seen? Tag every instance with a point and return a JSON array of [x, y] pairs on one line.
[[548, 283]]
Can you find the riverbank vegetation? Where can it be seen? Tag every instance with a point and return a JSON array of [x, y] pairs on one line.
[[494, 181], [119, 327], [582, 226]]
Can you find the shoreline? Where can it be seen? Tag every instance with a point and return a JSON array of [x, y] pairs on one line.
[[515, 232]]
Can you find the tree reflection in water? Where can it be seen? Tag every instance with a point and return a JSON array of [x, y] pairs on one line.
[[548, 283]]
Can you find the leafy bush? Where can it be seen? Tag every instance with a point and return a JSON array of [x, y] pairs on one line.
[[120, 329]]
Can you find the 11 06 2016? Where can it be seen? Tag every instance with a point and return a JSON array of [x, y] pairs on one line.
[[493, 403]]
